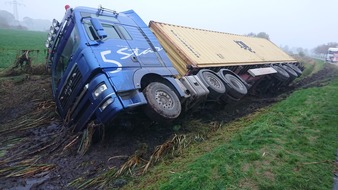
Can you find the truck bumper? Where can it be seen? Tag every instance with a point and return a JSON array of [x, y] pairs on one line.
[[98, 102], [103, 103]]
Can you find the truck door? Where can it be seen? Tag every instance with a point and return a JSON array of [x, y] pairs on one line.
[[145, 52], [115, 52]]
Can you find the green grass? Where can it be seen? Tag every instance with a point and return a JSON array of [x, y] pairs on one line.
[[311, 66], [13, 41], [290, 145], [22, 39]]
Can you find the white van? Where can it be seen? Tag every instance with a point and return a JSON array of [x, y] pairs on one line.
[[332, 55]]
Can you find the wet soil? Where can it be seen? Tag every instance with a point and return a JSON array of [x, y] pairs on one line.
[[33, 137]]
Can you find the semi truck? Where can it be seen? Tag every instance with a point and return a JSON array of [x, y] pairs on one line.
[[332, 55], [107, 65]]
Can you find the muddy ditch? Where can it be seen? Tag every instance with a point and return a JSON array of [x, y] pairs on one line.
[[38, 152]]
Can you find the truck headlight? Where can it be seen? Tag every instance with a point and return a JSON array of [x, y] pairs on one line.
[[52, 30], [47, 44], [101, 88], [107, 103], [51, 37], [55, 23]]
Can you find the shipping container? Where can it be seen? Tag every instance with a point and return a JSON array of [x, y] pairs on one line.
[[201, 48]]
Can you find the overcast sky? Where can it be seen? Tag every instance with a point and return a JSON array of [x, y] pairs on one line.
[[296, 23]]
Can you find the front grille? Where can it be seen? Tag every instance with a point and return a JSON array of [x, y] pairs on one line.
[[68, 89]]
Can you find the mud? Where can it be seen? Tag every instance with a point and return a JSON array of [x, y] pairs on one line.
[[50, 151]]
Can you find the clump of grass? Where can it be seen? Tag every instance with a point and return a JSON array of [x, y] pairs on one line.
[[39, 69], [41, 116], [23, 150], [133, 161], [31, 170], [86, 140], [175, 145], [24, 167], [92, 132]]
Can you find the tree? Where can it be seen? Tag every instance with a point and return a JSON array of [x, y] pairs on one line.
[[322, 49], [285, 48], [259, 35], [263, 35], [251, 34], [300, 52], [6, 19]]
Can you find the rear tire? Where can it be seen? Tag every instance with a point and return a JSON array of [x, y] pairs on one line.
[[290, 71], [235, 87], [295, 68], [163, 103], [213, 82], [281, 74]]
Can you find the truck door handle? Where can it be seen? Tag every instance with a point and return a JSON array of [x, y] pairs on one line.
[[134, 58]]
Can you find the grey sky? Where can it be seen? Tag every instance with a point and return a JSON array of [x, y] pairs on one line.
[[296, 23]]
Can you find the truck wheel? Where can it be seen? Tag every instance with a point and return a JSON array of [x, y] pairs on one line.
[[235, 87], [295, 68], [290, 71], [213, 82], [281, 74], [163, 103]]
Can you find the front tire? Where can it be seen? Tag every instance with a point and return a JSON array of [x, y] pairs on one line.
[[163, 103]]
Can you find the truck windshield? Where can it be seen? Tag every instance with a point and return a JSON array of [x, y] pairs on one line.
[[114, 31]]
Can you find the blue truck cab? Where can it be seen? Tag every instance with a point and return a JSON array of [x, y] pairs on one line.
[[104, 63]]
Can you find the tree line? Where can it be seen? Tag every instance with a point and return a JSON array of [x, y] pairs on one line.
[[322, 49]]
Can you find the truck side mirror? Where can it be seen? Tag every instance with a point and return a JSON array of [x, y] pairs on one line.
[[98, 27]]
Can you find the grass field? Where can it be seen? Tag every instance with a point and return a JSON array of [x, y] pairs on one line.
[[290, 145], [13, 41]]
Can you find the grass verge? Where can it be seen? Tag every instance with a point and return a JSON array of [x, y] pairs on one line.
[[311, 66], [290, 145]]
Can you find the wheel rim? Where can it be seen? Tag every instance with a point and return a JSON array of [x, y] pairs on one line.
[[236, 83], [235, 87], [212, 80], [164, 99]]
